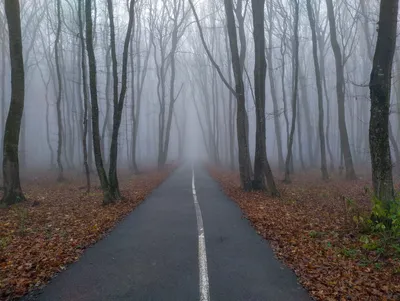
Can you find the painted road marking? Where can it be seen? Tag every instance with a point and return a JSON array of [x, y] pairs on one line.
[[203, 273]]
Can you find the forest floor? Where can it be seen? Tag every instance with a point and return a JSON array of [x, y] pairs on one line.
[[312, 229], [39, 237]]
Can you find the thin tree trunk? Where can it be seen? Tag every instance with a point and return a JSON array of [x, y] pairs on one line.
[[118, 102], [283, 85], [3, 87], [85, 98], [340, 91], [295, 63], [323, 76], [107, 95], [230, 108], [278, 131], [324, 170], [299, 127], [59, 95], [95, 106]]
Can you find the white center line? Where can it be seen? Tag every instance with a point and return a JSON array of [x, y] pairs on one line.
[[203, 273]]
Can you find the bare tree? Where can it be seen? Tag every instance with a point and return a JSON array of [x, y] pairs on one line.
[[340, 92], [295, 65], [59, 94], [118, 100], [311, 18]]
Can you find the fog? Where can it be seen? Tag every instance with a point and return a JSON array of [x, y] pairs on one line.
[[177, 105]]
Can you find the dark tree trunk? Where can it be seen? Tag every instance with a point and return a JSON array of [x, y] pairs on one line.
[[241, 120], [395, 149], [59, 95], [118, 102], [340, 91], [85, 98], [324, 170], [261, 164], [380, 86], [95, 106], [12, 186], [3, 86]]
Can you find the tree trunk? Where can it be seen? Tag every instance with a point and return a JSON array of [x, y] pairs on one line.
[[395, 149], [295, 63], [85, 98], [340, 91], [106, 124], [278, 131], [3, 86], [231, 116], [95, 106], [241, 117], [261, 164], [118, 102], [324, 170], [59, 95], [12, 186], [320, 44], [380, 86]]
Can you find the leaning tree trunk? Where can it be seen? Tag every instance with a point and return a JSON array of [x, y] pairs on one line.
[[95, 105], [311, 18], [12, 186], [380, 86], [340, 88], [295, 62]]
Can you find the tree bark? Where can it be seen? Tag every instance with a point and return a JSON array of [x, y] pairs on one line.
[[311, 18], [95, 106], [295, 63], [261, 164], [118, 102], [278, 130], [85, 98], [11, 181], [241, 119], [59, 95], [340, 92], [380, 88]]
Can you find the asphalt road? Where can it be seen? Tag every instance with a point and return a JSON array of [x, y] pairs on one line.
[[153, 254]]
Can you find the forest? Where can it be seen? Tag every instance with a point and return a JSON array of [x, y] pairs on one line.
[[292, 107]]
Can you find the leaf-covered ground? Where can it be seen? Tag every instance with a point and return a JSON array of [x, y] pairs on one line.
[[38, 238], [311, 229]]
